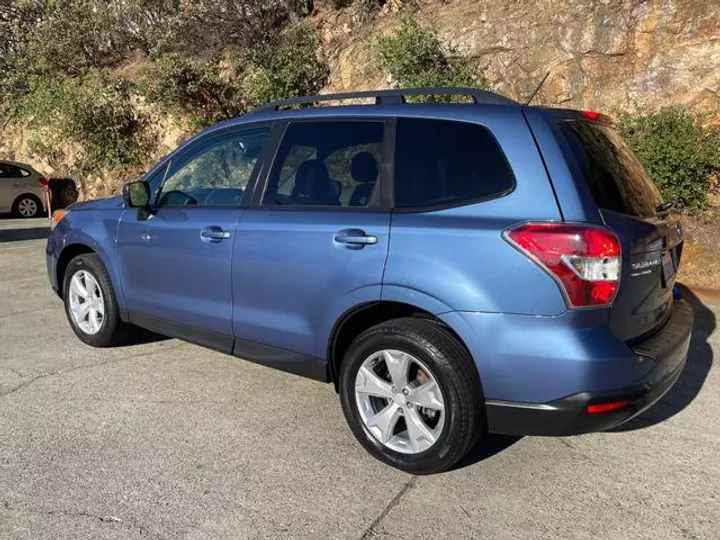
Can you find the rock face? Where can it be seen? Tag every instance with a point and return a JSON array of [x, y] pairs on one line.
[[605, 55]]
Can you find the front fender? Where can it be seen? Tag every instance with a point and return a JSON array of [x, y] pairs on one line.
[[95, 231]]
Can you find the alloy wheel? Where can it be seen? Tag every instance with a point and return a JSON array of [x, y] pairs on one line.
[[87, 305], [400, 401]]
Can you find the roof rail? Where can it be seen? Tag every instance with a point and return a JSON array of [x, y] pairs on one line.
[[396, 96]]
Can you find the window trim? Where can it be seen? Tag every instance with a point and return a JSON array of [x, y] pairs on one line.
[[203, 142], [457, 204], [380, 200]]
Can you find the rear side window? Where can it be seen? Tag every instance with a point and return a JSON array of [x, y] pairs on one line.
[[440, 162], [10, 171], [616, 179]]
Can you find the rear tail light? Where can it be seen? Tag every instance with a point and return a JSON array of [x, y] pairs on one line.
[[584, 260], [43, 180]]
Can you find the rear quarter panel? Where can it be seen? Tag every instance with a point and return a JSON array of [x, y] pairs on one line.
[[456, 259], [573, 197]]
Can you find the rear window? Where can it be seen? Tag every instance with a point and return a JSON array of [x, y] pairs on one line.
[[440, 162], [616, 179]]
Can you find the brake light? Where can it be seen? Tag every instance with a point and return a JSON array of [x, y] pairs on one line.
[[43, 180], [607, 407], [596, 116], [584, 260]]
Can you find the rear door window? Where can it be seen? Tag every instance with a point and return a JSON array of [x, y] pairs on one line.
[[617, 180], [325, 163], [440, 162]]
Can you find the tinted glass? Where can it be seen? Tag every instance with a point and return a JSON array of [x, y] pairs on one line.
[[616, 179], [327, 164], [9, 171], [216, 174], [439, 162]]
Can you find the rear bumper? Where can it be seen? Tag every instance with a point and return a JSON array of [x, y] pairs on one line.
[[666, 350]]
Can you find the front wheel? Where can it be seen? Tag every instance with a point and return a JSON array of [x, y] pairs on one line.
[[411, 395], [90, 302]]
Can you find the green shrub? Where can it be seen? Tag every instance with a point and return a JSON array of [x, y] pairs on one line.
[[192, 89], [96, 114], [413, 56], [678, 152], [288, 70], [112, 132]]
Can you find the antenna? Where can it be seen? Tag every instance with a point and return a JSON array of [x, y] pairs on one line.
[[539, 86]]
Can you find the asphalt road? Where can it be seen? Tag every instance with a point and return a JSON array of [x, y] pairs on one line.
[[167, 440]]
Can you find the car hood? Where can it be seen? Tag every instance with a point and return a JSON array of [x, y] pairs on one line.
[[98, 204]]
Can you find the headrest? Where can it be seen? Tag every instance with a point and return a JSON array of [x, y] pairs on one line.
[[364, 168]]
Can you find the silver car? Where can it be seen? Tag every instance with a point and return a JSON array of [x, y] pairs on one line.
[[23, 190]]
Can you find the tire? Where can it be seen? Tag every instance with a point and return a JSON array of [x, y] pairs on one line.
[[110, 330], [27, 206], [436, 355]]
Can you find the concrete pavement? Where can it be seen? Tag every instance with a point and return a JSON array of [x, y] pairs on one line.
[[167, 440]]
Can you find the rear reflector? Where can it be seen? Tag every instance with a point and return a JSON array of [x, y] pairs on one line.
[[583, 259], [607, 407]]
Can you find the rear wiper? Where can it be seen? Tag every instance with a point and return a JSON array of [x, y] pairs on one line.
[[664, 207]]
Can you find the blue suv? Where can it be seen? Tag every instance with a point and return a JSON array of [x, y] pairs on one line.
[[453, 269]]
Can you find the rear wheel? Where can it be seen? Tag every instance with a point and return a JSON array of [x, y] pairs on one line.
[[90, 302], [27, 206], [411, 395]]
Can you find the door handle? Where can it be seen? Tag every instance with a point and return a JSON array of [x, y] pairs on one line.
[[214, 233], [355, 238]]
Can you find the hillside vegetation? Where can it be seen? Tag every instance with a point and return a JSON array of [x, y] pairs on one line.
[[99, 90]]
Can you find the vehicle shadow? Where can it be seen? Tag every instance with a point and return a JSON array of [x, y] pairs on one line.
[[17, 235], [32, 229], [699, 363], [141, 336], [488, 445]]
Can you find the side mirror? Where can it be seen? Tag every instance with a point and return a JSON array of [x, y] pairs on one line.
[[137, 194]]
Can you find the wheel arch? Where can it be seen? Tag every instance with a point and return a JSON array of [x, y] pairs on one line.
[[68, 253], [363, 316]]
